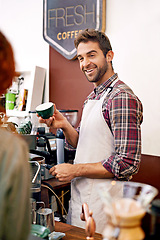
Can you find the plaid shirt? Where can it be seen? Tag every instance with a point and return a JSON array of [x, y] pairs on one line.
[[123, 112]]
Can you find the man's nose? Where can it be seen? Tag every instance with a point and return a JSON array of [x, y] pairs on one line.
[[86, 62]]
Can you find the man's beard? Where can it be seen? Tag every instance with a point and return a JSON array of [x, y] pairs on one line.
[[100, 72]]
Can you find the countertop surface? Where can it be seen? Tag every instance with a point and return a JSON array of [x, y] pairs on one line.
[[72, 232]]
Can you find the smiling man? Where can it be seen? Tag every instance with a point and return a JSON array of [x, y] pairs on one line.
[[108, 140], [93, 62]]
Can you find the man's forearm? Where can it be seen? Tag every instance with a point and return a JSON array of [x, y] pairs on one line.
[[92, 170], [71, 135]]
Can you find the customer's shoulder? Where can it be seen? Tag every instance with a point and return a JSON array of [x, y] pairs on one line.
[[9, 139], [14, 154]]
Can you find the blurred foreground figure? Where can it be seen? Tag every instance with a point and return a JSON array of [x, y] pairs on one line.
[[14, 166]]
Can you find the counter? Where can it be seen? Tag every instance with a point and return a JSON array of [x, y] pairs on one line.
[[72, 232]]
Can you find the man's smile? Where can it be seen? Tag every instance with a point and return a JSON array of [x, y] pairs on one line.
[[89, 71]]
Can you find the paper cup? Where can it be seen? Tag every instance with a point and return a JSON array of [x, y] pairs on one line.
[[45, 110]]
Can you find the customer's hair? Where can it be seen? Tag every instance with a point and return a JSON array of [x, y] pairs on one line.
[[7, 63], [94, 36]]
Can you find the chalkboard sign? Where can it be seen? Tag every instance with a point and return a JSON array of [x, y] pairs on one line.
[[62, 21]]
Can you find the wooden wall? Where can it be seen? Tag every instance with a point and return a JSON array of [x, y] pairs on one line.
[[68, 86], [149, 171]]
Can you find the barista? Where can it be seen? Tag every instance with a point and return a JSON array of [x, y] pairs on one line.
[[108, 140]]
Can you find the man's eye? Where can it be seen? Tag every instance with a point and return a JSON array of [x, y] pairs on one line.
[[80, 59]]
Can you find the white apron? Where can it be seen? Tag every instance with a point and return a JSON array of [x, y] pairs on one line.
[[95, 143]]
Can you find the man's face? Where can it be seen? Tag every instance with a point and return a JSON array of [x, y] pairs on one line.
[[92, 62]]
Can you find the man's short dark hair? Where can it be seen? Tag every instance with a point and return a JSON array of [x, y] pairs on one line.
[[94, 36]]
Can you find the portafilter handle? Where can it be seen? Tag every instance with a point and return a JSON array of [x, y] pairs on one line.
[[47, 166]]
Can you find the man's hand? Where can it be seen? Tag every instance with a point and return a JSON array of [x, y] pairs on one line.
[[59, 121], [56, 121], [63, 172]]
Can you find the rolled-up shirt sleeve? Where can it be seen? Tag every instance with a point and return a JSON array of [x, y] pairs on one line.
[[125, 116]]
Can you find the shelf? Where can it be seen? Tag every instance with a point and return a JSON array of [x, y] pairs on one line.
[[16, 113], [34, 83]]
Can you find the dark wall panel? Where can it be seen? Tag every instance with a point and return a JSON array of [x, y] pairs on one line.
[[68, 86]]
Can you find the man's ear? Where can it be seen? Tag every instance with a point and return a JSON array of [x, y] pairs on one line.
[[109, 56]]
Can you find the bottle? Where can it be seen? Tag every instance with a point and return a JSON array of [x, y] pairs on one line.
[[60, 146]]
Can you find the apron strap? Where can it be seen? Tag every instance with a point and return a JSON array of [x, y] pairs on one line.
[[109, 89]]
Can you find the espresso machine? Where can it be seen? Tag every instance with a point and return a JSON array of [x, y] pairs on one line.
[[52, 146]]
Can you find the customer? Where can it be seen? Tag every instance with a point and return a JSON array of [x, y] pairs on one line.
[[109, 139], [14, 167]]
